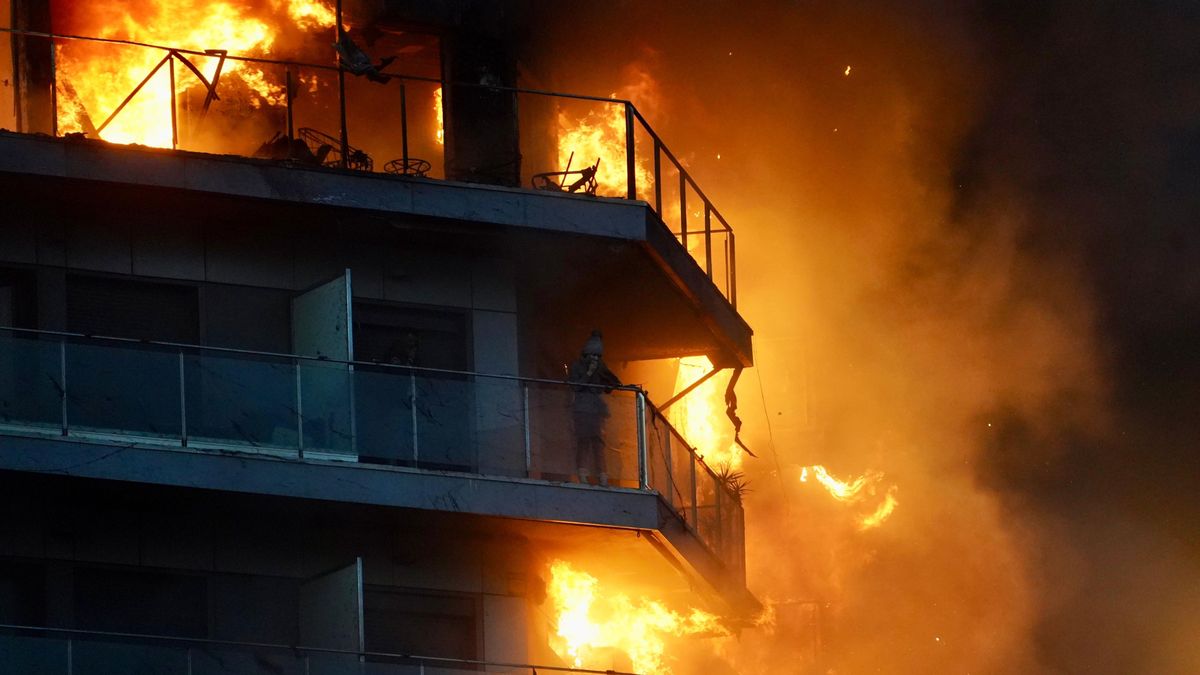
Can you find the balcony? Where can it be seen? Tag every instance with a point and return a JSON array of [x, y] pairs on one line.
[[367, 432], [517, 145], [54, 651]]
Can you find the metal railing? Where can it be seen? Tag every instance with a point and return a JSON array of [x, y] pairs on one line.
[[305, 408], [62, 651], [399, 140]]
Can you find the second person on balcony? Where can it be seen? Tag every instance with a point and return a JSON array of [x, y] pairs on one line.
[[589, 410]]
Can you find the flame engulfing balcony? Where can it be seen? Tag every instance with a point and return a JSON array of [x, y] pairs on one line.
[[313, 112], [391, 418]]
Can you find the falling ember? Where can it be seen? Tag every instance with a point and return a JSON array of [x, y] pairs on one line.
[[588, 621], [93, 79], [847, 72], [700, 415], [440, 133]]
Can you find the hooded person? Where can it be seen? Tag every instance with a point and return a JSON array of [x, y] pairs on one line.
[[589, 410]]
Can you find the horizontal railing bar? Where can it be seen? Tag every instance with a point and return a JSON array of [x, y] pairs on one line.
[[315, 359], [316, 650]]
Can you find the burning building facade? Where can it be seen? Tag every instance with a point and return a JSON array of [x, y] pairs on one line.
[[287, 303]]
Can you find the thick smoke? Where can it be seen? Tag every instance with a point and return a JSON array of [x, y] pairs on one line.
[[959, 275]]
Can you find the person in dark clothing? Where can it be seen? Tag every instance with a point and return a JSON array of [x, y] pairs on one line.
[[589, 410]]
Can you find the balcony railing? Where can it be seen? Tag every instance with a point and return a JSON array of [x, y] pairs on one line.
[[57, 651], [302, 408], [345, 125]]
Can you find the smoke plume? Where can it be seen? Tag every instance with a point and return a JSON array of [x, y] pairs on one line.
[[951, 254]]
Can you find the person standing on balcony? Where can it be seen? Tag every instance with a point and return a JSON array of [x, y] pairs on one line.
[[589, 410]]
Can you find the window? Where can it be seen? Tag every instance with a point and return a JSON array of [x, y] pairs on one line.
[[134, 309], [151, 603]]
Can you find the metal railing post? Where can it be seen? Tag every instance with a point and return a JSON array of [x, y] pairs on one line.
[[174, 121], [732, 269], [630, 160], [183, 433], [695, 491], [708, 239], [62, 378], [299, 414], [643, 446], [70, 656], [288, 93], [658, 176], [412, 399], [404, 124], [53, 90], [528, 436], [683, 227]]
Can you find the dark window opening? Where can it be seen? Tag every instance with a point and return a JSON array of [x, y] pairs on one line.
[[133, 309], [150, 603], [420, 624]]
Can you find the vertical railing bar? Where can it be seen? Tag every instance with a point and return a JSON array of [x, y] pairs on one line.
[[528, 434], [171, 80], [189, 661], [643, 446], [299, 413], [70, 656], [412, 399], [183, 432], [404, 126], [342, 88], [658, 177], [732, 271], [53, 90], [682, 206], [708, 238], [62, 378], [695, 492], [291, 124], [630, 160]]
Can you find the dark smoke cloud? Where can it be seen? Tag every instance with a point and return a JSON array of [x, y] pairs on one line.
[[970, 264]]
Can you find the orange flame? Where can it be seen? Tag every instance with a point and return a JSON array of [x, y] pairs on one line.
[[437, 111], [700, 415], [589, 620], [93, 78], [855, 490]]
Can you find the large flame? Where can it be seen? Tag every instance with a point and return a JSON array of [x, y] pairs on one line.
[[94, 78], [440, 133], [589, 619], [700, 415]]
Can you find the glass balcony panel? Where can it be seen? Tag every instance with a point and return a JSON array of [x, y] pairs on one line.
[[241, 400], [27, 654], [383, 401], [500, 426], [95, 657], [681, 469], [662, 474], [30, 381], [708, 515], [122, 390], [551, 432], [325, 663], [620, 439], [443, 410], [221, 660], [326, 405]]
